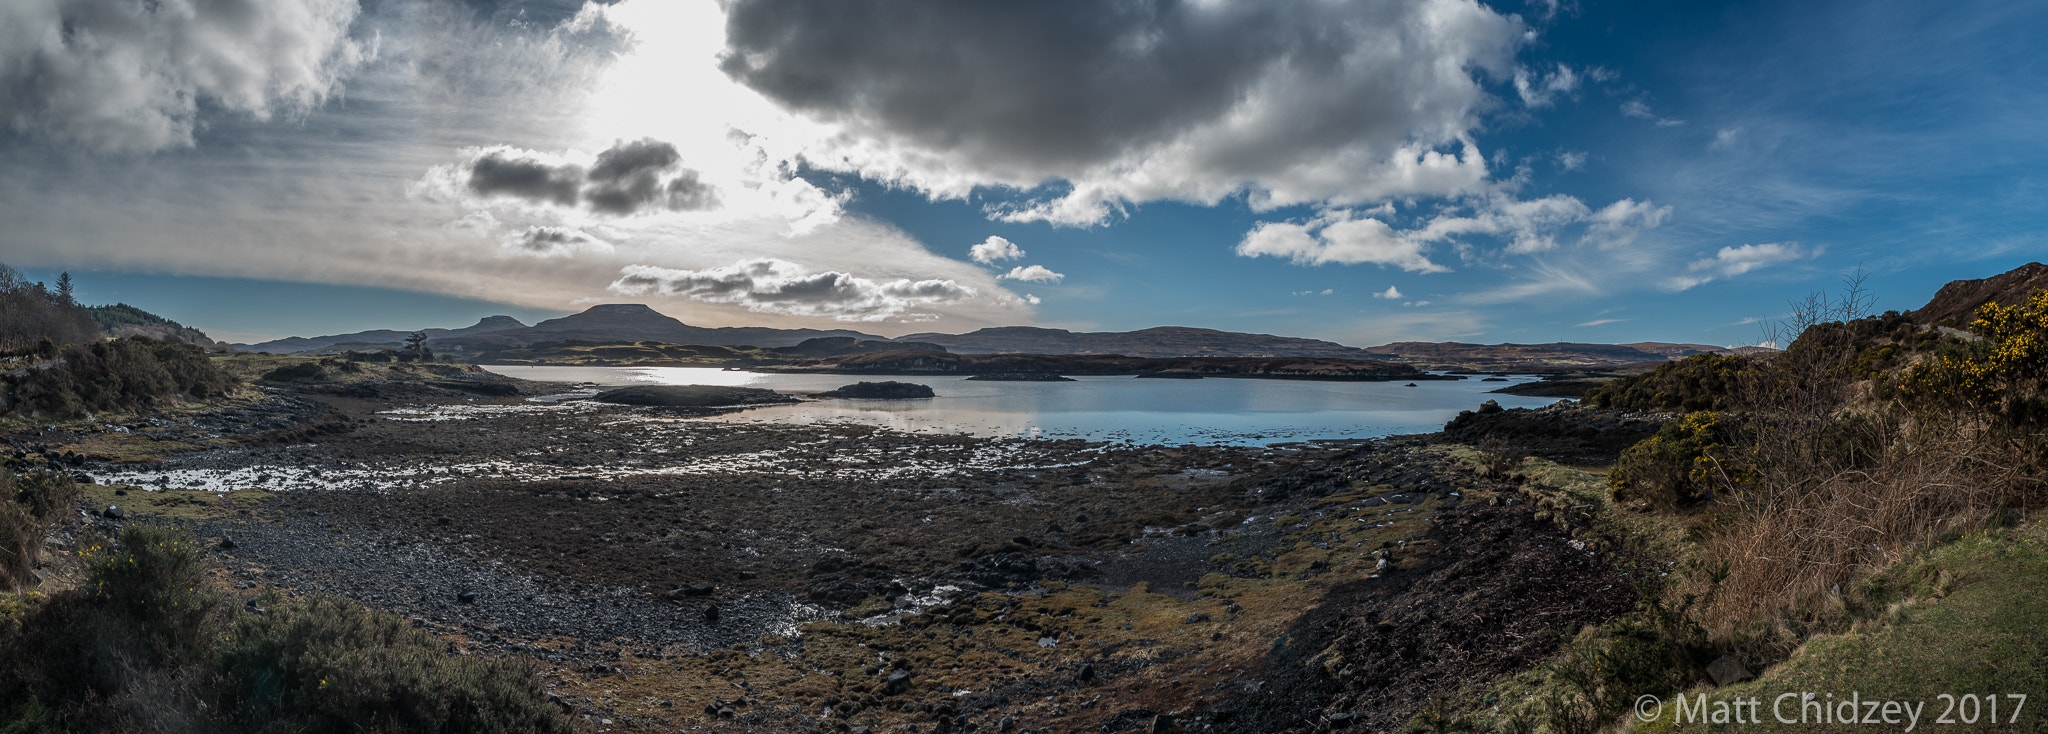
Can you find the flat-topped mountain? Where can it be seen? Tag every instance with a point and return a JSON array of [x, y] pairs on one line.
[[1956, 304], [1159, 341]]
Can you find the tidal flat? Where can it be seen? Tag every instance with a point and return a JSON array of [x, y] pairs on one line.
[[667, 571]]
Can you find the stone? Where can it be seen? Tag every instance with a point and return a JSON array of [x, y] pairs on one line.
[[466, 597], [1047, 642], [1728, 671], [897, 682], [1162, 724], [114, 512], [227, 544]]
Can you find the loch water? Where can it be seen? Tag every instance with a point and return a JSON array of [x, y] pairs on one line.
[[1232, 411]]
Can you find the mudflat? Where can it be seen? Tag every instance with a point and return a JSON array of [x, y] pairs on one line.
[[670, 572]]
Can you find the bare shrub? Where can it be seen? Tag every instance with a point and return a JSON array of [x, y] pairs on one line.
[[1845, 478], [29, 505]]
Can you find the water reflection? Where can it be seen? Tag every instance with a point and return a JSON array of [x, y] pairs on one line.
[[1231, 411]]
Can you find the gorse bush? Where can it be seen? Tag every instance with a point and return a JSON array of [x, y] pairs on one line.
[[300, 371], [30, 504], [1698, 382], [1688, 461], [330, 665], [2000, 375], [155, 577], [120, 375], [144, 645]]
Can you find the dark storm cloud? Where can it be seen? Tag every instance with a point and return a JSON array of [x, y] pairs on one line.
[[688, 193], [1223, 91], [503, 172], [1070, 81], [625, 179], [628, 176], [544, 241], [768, 285]]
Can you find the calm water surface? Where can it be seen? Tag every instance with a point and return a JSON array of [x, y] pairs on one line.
[[1207, 411]]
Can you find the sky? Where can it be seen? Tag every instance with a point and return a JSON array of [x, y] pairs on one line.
[[1362, 171]]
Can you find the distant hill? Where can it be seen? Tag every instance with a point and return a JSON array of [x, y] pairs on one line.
[[1560, 354], [611, 323], [123, 320], [1161, 341], [624, 324], [1956, 304], [378, 338], [620, 322], [919, 362]]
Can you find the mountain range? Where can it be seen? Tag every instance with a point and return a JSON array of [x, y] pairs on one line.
[[632, 322], [1955, 304]]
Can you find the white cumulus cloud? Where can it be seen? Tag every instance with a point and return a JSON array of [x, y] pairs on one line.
[[1034, 274], [1337, 237], [1391, 293], [995, 248]]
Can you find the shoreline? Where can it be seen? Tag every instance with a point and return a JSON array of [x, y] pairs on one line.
[[626, 550]]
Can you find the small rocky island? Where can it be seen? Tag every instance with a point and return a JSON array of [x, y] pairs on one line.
[[1021, 377], [690, 396], [890, 390]]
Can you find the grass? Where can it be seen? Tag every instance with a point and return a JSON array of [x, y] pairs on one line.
[[175, 504], [1957, 618], [280, 369]]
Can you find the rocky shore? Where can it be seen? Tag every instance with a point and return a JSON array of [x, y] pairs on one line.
[[674, 573]]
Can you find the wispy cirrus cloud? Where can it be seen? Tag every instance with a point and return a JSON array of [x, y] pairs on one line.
[[1733, 261]]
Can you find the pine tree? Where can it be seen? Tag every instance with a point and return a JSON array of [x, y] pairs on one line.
[[64, 289], [416, 348]]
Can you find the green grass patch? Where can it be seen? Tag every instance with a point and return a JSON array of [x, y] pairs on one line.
[[1960, 618]]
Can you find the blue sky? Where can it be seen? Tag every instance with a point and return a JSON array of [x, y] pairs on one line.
[[1356, 171]]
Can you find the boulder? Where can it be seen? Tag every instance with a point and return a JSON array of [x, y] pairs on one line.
[[1728, 671]]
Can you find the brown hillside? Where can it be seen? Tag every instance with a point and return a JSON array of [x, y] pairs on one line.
[[1560, 354], [1957, 303]]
